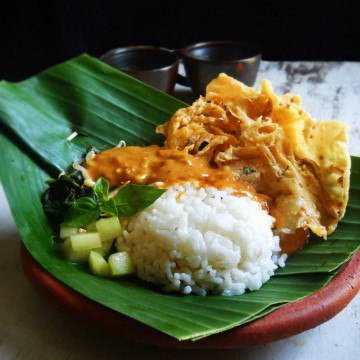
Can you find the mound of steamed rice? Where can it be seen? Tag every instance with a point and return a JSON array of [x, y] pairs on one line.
[[202, 241]]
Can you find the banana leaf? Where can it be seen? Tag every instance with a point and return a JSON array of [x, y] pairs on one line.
[[105, 106]]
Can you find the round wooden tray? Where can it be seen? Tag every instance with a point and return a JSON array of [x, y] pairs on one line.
[[286, 321]]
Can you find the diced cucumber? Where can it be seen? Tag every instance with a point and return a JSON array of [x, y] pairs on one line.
[[108, 228], [66, 231], [121, 264], [77, 257], [85, 241], [98, 265], [105, 248], [91, 227]]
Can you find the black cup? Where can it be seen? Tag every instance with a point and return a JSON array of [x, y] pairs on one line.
[[153, 65], [206, 60]]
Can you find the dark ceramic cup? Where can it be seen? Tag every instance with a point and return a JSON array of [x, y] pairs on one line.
[[155, 66], [206, 60], [202, 62]]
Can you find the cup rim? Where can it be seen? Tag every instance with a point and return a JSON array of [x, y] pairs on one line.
[[106, 57], [186, 52]]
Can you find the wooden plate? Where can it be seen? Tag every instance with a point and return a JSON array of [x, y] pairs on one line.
[[286, 321]]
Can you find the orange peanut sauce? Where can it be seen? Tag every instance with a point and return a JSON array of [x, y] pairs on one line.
[[163, 167], [291, 243]]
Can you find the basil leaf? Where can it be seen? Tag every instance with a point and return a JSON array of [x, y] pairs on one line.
[[132, 198], [101, 189], [82, 212], [109, 207]]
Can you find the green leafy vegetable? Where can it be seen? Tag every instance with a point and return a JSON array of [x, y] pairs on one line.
[[101, 189], [129, 200], [82, 212], [109, 207], [106, 204], [62, 192], [132, 198]]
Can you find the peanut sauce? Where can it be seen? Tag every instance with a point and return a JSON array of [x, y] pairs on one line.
[[164, 167], [291, 243]]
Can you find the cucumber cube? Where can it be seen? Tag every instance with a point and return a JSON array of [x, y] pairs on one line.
[[91, 227], [98, 265], [105, 248], [108, 228], [121, 264], [85, 241], [78, 257], [66, 231]]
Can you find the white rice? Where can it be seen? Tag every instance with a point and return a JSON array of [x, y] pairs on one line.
[[203, 241]]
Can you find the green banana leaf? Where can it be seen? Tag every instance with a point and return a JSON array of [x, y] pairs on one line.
[[105, 106]]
